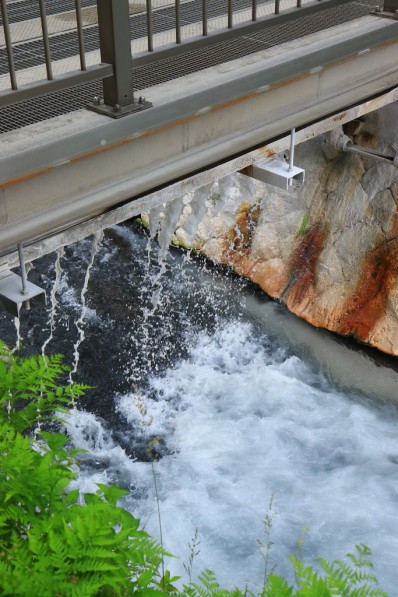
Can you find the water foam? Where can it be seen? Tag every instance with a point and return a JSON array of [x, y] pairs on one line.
[[240, 420]]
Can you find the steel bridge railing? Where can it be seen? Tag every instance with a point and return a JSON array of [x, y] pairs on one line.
[[42, 74], [213, 21], [250, 7], [239, 17]]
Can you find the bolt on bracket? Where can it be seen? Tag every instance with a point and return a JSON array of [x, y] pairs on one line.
[[118, 111], [277, 173]]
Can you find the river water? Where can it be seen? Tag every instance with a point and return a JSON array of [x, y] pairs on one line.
[[248, 404]]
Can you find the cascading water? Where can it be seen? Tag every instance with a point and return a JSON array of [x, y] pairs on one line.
[[53, 299], [162, 223], [238, 392], [18, 340], [79, 323]]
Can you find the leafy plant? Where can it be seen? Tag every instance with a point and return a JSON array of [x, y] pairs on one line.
[[351, 578], [208, 586], [28, 389], [52, 543]]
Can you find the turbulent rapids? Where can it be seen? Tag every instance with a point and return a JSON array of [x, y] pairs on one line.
[[247, 406]]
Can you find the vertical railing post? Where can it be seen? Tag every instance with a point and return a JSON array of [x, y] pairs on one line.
[[230, 14], [149, 25], [115, 45], [178, 21], [254, 10], [114, 34], [7, 37], [80, 36], [204, 17], [46, 40]]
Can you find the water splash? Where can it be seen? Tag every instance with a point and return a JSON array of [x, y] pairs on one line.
[[176, 221], [19, 339], [97, 237], [162, 224], [53, 298]]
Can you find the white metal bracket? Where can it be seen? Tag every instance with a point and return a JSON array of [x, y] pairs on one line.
[[16, 291], [278, 173], [11, 296]]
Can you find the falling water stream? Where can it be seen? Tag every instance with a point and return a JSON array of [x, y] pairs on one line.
[[248, 403], [53, 299]]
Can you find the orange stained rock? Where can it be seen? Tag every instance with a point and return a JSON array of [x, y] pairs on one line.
[[303, 264], [239, 238], [367, 305]]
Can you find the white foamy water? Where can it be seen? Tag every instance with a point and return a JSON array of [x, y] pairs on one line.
[[240, 421]]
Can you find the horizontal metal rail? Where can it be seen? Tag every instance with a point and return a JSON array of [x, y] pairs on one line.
[[36, 88], [65, 81], [253, 24], [230, 10], [116, 28]]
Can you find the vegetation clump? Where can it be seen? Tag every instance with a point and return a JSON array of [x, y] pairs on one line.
[[55, 542]]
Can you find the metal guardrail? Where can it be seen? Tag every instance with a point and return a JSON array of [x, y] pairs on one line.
[[115, 30], [205, 17], [279, 12], [18, 92]]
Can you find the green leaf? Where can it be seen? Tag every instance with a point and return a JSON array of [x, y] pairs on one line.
[[71, 497], [91, 498], [112, 493], [55, 441]]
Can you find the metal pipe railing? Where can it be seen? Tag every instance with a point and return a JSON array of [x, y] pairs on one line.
[[254, 10], [46, 41], [178, 21], [230, 14], [149, 25], [80, 36], [36, 88], [204, 17], [10, 53]]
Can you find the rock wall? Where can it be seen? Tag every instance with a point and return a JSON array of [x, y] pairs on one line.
[[328, 249]]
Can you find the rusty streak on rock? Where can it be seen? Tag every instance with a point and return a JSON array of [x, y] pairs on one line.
[[304, 262], [367, 305]]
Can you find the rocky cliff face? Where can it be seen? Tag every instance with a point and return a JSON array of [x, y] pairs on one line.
[[328, 249]]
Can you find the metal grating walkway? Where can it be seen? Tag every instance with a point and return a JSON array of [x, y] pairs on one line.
[[144, 77]]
